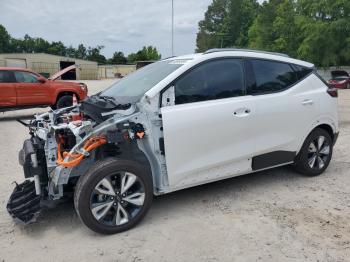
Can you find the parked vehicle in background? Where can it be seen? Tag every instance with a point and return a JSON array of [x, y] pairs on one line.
[[22, 88], [340, 79], [174, 124]]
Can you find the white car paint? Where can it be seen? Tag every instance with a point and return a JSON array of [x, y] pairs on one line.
[[203, 135], [205, 141]]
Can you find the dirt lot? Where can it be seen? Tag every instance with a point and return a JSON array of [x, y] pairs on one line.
[[274, 215]]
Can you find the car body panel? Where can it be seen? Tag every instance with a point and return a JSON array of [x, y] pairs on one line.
[[8, 95], [33, 93], [283, 117], [200, 137]]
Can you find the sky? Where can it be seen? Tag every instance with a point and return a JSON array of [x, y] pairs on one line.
[[119, 25]]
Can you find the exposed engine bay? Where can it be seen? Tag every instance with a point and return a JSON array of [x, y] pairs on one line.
[[65, 143]]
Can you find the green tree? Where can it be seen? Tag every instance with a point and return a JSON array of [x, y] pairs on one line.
[[325, 28], [94, 54], [211, 33], [4, 40], [276, 28], [286, 29], [260, 34], [81, 52], [117, 58], [240, 17], [147, 53], [57, 48]]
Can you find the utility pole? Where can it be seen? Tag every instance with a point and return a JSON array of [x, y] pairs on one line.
[[172, 27]]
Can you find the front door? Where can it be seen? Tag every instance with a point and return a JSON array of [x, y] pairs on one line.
[[208, 133], [30, 91], [7, 89]]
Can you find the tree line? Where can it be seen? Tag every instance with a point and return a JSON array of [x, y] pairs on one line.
[[312, 30], [30, 44]]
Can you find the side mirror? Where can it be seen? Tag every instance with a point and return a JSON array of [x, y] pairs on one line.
[[41, 79]]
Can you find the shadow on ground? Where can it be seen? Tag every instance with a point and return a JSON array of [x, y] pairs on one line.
[[63, 217]]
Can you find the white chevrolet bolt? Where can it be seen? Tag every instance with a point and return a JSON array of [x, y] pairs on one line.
[[174, 124]]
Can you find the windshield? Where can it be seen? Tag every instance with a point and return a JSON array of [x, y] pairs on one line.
[[131, 88]]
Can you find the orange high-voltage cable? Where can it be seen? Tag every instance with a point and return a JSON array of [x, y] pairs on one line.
[[90, 145]]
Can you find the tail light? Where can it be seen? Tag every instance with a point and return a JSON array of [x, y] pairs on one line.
[[333, 92]]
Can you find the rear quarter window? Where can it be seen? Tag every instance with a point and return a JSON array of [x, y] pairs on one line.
[[270, 76], [302, 71]]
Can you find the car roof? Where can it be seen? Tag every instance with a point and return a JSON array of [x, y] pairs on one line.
[[224, 52]]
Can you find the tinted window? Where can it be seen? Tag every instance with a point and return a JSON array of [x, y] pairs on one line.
[[212, 80], [302, 72], [271, 76], [25, 77], [5, 77]]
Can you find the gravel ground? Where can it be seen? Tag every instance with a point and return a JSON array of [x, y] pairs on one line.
[[275, 215]]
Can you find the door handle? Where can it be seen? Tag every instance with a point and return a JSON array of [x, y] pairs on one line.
[[307, 102]]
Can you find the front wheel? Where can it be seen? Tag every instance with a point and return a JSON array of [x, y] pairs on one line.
[[316, 153], [113, 196], [64, 101]]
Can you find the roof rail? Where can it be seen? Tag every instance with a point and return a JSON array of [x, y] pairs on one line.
[[214, 50]]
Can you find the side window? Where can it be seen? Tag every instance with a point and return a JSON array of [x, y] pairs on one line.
[[302, 72], [213, 80], [25, 77], [5, 77], [271, 76]]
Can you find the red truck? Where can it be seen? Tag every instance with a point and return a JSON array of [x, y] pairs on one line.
[[22, 88]]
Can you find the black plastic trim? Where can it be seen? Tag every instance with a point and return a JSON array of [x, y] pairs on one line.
[[272, 159]]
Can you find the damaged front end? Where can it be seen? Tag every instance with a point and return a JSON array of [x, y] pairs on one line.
[[64, 144]]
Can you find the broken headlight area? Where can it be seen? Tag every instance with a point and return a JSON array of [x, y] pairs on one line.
[[63, 145]]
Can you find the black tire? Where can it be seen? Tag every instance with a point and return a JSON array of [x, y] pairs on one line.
[[86, 190], [64, 101], [306, 158]]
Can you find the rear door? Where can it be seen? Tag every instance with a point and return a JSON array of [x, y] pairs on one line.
[[30, 91], [208, 133], [286, 103], [7, 89]]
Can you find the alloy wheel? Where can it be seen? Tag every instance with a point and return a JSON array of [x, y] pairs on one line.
[[318, 153], [117, 199]]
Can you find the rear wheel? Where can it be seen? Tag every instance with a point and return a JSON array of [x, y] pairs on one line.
[[316, 153], [64, 101], [113, 196]]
